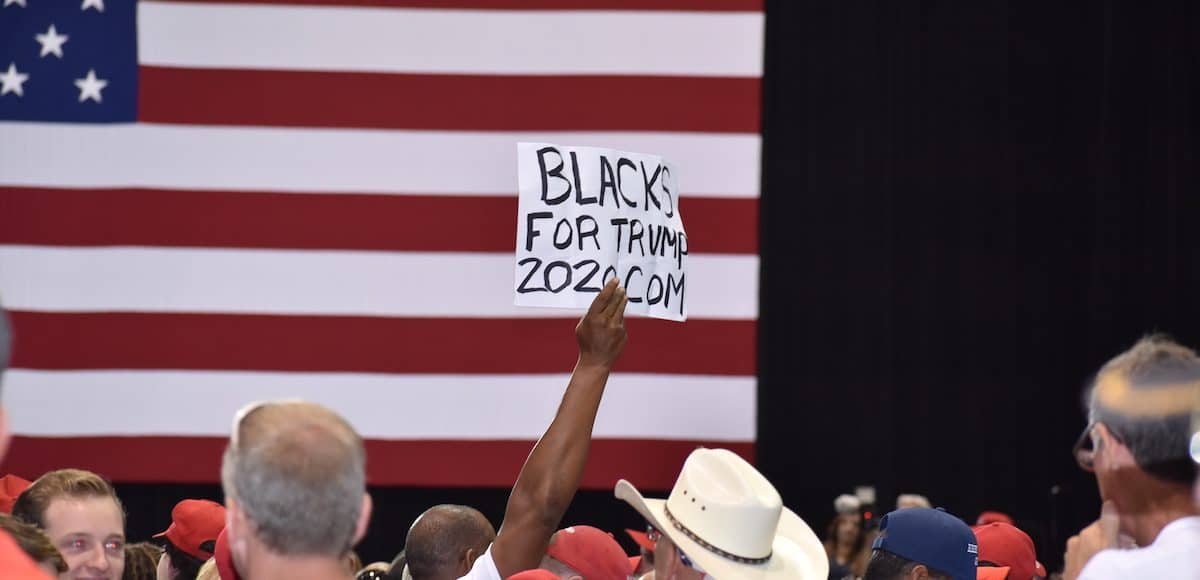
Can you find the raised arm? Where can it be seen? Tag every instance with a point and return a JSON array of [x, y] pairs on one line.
[[551, 474]]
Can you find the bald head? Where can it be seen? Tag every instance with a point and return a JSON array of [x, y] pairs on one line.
[[445, 540], [297, 472]]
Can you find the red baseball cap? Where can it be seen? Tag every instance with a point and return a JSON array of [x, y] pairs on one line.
[[537, 574], [1005, 545], [592, 552], [11, 486], [642, 539], [986, 518], [195, 525], [224, 558]]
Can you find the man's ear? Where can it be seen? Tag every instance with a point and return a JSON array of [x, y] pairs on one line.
[[468, 561], [237, 530], [1116, 454], [231, 516], [364, 518], [918, 572]]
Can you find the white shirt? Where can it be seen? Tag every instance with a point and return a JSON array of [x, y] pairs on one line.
[[1174, 554], [484, 568]]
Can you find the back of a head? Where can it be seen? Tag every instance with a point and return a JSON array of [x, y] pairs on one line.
[[1145, 397], [439, 539], [141, 561], [33, 542], [942, 543], [192, 536], [888, 566], [31, 505], [297, 470]]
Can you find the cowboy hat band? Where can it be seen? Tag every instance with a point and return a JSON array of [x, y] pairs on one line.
[[675, 523], [731, 522]]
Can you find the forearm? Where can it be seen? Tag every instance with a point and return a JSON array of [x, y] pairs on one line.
[[552, 472]]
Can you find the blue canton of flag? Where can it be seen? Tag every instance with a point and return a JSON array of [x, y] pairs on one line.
[[68, 60]]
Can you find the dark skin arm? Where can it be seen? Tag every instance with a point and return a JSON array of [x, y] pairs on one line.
[[551, 474]]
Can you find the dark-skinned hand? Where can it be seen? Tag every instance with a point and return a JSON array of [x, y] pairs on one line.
[[601, 332]]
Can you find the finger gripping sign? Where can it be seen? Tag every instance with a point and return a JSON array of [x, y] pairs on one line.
[[587, 215]]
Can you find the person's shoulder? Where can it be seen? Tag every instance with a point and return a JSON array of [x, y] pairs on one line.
[[14, 564], [1154, 561], [484, 568]]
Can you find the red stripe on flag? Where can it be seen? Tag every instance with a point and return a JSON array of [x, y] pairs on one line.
[[140, 217], [448, 102], [651, 464], [64, 341], [680, 5]]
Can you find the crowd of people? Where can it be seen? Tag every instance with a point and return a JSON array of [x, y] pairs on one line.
[[296, 503]]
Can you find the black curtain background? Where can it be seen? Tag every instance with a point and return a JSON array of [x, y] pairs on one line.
[[967, 207]]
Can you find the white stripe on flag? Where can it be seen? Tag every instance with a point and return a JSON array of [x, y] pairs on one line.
[[338, 160], [129, 279], [66, 403], [450, 41]]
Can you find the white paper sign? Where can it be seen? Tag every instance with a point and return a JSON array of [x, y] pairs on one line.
[[587, 215]]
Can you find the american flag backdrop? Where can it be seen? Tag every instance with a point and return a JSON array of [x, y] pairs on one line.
[[205, 203]]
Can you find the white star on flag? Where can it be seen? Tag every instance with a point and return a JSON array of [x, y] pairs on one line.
[[90, 86], [51, 42], [20, 3], [12, 81], [97, 4]]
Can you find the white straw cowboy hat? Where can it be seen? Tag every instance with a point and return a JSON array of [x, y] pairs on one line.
[[730, 520]]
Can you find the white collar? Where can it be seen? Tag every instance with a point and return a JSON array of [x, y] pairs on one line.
[[1178, 526]]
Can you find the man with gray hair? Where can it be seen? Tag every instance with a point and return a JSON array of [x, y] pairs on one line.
[[295, 483], [1136, 443], [294, 477]]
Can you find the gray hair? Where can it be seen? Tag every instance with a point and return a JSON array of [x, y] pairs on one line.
[[298, 472], [1145, 397]]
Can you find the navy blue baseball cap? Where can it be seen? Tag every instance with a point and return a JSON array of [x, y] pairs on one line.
[[931, 537]]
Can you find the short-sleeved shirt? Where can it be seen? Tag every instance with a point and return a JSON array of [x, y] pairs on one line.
[[484, 568], [1172, 556]]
